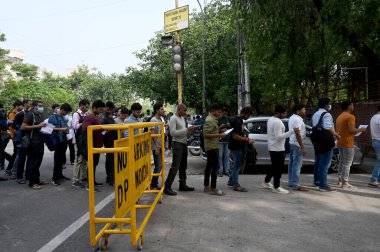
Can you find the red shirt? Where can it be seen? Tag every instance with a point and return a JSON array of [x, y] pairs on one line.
[[89, 120]]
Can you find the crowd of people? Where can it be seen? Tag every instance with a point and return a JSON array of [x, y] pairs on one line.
[[26, 125]]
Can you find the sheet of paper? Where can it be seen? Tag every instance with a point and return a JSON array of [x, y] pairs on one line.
[[361, 126], [48, 129], [228, 131]]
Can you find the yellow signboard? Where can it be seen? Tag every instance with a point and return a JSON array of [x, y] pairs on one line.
[[127, 164], [177, 19], [122, 199]]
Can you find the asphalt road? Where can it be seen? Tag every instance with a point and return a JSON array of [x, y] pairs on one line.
[[259, 220]]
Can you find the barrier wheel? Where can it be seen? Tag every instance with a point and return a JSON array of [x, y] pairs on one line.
[[103, 243], [140, 243]]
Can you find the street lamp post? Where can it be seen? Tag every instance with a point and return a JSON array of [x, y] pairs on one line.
[[203, 59]]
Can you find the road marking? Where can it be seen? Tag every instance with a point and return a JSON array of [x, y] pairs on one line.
[[59, 239]]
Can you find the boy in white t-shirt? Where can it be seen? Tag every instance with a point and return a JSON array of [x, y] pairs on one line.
[[297, 147]]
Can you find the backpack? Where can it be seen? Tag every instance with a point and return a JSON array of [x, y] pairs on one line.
[[322, 139]]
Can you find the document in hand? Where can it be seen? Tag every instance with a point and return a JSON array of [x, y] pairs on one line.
[[48, 129], [228, 131], [361, 127]]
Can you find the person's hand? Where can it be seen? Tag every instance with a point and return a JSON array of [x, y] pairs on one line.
[[337, 136], [221, 135], [157, 151], [303, 151], [191, 128], [362, 130], [250, 141], [41, 125]]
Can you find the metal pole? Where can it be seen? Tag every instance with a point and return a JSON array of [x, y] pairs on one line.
[[179, 74], [203, 58]]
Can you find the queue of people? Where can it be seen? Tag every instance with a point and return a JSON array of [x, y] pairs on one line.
[[27, 118]]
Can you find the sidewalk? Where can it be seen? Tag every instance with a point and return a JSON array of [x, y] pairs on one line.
[[259, 220]]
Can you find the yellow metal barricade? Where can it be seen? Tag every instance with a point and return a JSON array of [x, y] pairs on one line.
[[133, 174]]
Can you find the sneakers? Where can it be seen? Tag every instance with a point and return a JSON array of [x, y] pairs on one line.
[[220, 174], [97, 183], [95, 189], [21, 181], [280, 190], [55, 183], [267, 185], [300, 189], [185, 188], [348, 186], [326, 189], [229, 183], [207, 189], [169, 191], [78, 184]]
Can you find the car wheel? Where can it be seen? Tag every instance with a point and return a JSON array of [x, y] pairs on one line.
[[335, 160]]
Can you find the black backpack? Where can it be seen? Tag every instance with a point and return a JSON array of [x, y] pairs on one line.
[[322, 139], [80, 139]]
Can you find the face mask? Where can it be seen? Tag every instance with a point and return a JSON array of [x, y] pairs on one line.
[[328, 107], [40, 109]]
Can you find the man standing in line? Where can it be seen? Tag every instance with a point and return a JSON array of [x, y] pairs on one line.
[[134, 117], [211, 142], [345, 127], [80, 167], [323, 160], [236, 146], [276, 146], [19, 164], [108, 138], [33, 122], [159, 112], [60, 130], [122, 115], [297, 147], [375, 135], [93, 119], [179, 132], [224, 152], [17, 107]]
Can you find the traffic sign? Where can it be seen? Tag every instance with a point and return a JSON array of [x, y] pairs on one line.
[[177, 19]]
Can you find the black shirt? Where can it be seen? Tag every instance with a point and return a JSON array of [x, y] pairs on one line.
[[37, 136], [110, 135], [237, 125]]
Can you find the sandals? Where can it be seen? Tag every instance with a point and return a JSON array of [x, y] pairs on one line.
[[348, 186], [240, 189], [216, 192], [36, 187], [374, 185]]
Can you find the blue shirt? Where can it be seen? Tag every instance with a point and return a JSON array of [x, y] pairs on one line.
[[59, 122], [327, 120], [132, 119]]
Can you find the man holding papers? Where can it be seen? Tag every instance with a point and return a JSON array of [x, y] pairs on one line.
[[345, 127]]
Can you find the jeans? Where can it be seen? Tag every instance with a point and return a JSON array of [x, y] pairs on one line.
[[237, 156], [321, 167], [157, 168], [346, 155], [224, 158], [294, 166], [376, 170], [275, 170], [179, 163], [211, 168], [19, 164]]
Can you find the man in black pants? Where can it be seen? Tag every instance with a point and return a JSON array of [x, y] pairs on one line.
[[33, 122], [60, 130], [108, 140], [179, 132], [276, 147], [211, 142]]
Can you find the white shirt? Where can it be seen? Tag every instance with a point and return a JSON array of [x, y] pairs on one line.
[[276, 134], [296, 122], [375, 127]]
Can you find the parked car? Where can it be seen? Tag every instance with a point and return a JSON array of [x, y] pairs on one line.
[[257, 127]]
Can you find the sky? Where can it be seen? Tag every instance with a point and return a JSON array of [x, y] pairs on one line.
[[60, 35]]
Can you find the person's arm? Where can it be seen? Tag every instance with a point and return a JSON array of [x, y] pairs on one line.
[[236, 136], [278, 126], [297, 132], [75, 122], [351, 126], [27, 127], [329, 126], [207, 129], [54, 120]]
